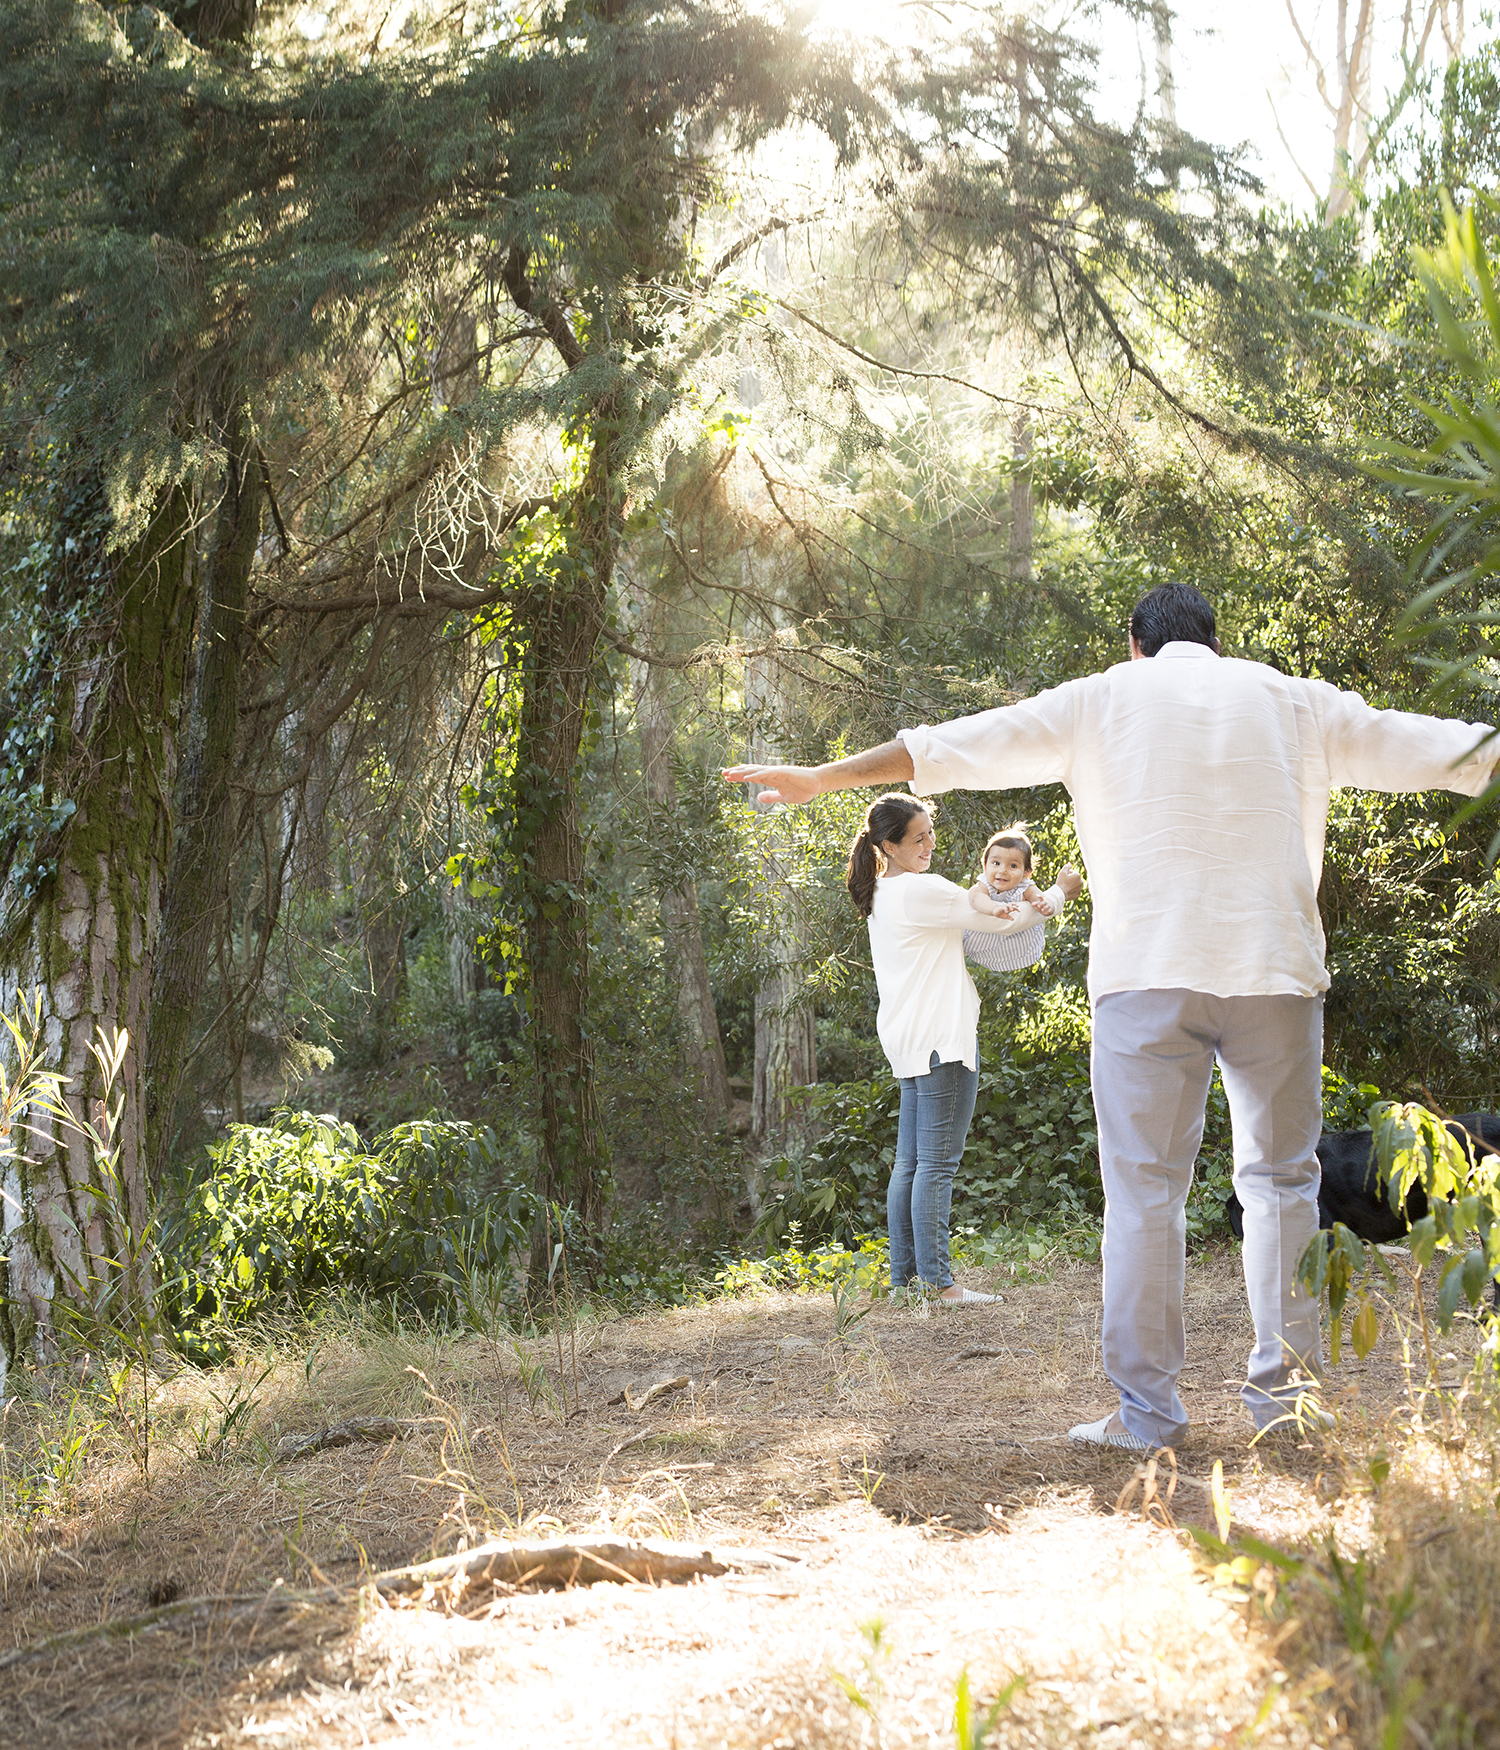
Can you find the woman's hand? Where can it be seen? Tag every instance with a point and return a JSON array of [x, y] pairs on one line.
[[1070, 881]]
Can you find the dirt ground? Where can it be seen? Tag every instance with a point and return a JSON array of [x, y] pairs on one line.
[[916, 1473]]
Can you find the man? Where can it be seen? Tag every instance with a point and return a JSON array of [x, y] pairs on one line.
[[1200, 787]]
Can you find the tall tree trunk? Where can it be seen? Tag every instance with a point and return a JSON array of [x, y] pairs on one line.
[[563, 626], [1166, 84], [458, 935], [87, 942], [193, 898], [1352, 118], [785, 1049], [1022, 516], [385, 955], [677, 891]]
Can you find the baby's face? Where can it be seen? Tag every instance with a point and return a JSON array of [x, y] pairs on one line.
[[1005, 868]]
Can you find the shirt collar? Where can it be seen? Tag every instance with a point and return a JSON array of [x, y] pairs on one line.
[[1182, 647]]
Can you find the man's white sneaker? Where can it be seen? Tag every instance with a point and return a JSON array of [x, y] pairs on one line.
[[1101, 1433]]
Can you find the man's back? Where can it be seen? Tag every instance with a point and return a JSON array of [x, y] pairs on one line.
[[1201, 789]]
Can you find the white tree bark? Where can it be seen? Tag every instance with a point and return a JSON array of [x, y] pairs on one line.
[[1166, 85], [1351, 121], [1346, 90]]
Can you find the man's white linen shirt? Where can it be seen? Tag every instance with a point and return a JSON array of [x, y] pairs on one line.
[[1200, 786], [927, 999]]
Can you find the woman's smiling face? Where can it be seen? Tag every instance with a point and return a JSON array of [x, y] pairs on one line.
[[914, 851]]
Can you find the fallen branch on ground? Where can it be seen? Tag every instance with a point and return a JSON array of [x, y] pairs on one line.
[[562, 1562], [574, 1561], [356, 1428], [662, 1388]]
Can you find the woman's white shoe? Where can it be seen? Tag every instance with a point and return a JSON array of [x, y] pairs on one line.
[[966, 1297]]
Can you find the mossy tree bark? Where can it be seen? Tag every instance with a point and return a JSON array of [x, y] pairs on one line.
[[86, 940], [563, 627], [194, 897], [564, 618]]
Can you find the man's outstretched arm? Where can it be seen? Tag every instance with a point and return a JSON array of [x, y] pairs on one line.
[[889, 763]]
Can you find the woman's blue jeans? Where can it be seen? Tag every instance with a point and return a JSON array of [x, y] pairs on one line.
[[935, 1113]]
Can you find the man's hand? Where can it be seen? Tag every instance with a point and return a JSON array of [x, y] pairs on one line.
[[1070, 881], [784, 784], [889, 763]]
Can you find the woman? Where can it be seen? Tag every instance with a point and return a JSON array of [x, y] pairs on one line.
[[928, 1023]]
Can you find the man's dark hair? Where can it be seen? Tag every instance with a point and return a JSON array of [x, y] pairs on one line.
[[1172, 613]]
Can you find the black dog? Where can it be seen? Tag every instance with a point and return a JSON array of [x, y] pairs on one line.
[[1351, 1191]]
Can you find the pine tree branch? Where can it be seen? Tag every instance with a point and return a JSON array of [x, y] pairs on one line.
[[265, 477], [539, 307], [1134, 362]]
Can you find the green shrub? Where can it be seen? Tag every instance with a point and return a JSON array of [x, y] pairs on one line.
[[816, 1269], [289, 1211]]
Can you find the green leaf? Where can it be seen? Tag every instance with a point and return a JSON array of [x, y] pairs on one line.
[[1364, 1329], [1423, 1240], [1449, 1291]]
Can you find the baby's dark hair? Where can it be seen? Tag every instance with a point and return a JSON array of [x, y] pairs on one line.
[[886, 822], [1009, 838]]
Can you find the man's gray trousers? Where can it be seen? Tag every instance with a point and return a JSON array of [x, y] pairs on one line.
[[1153, 1057]]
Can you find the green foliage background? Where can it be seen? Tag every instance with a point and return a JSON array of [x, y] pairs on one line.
[[1263, 411]]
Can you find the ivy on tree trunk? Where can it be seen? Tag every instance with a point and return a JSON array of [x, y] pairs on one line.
[[563, 624]]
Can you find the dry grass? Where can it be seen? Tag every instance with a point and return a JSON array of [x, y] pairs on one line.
[[924, 1490]]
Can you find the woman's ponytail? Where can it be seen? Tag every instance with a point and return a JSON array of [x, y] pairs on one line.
[[886, 821], [859, 877]]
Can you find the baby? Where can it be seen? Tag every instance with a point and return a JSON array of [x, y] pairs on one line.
[[1005, 884]]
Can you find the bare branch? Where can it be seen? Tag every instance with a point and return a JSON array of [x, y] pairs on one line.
[[1311, 185], [747, 242], [1319, 75], [265, 476], [904, 371]]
